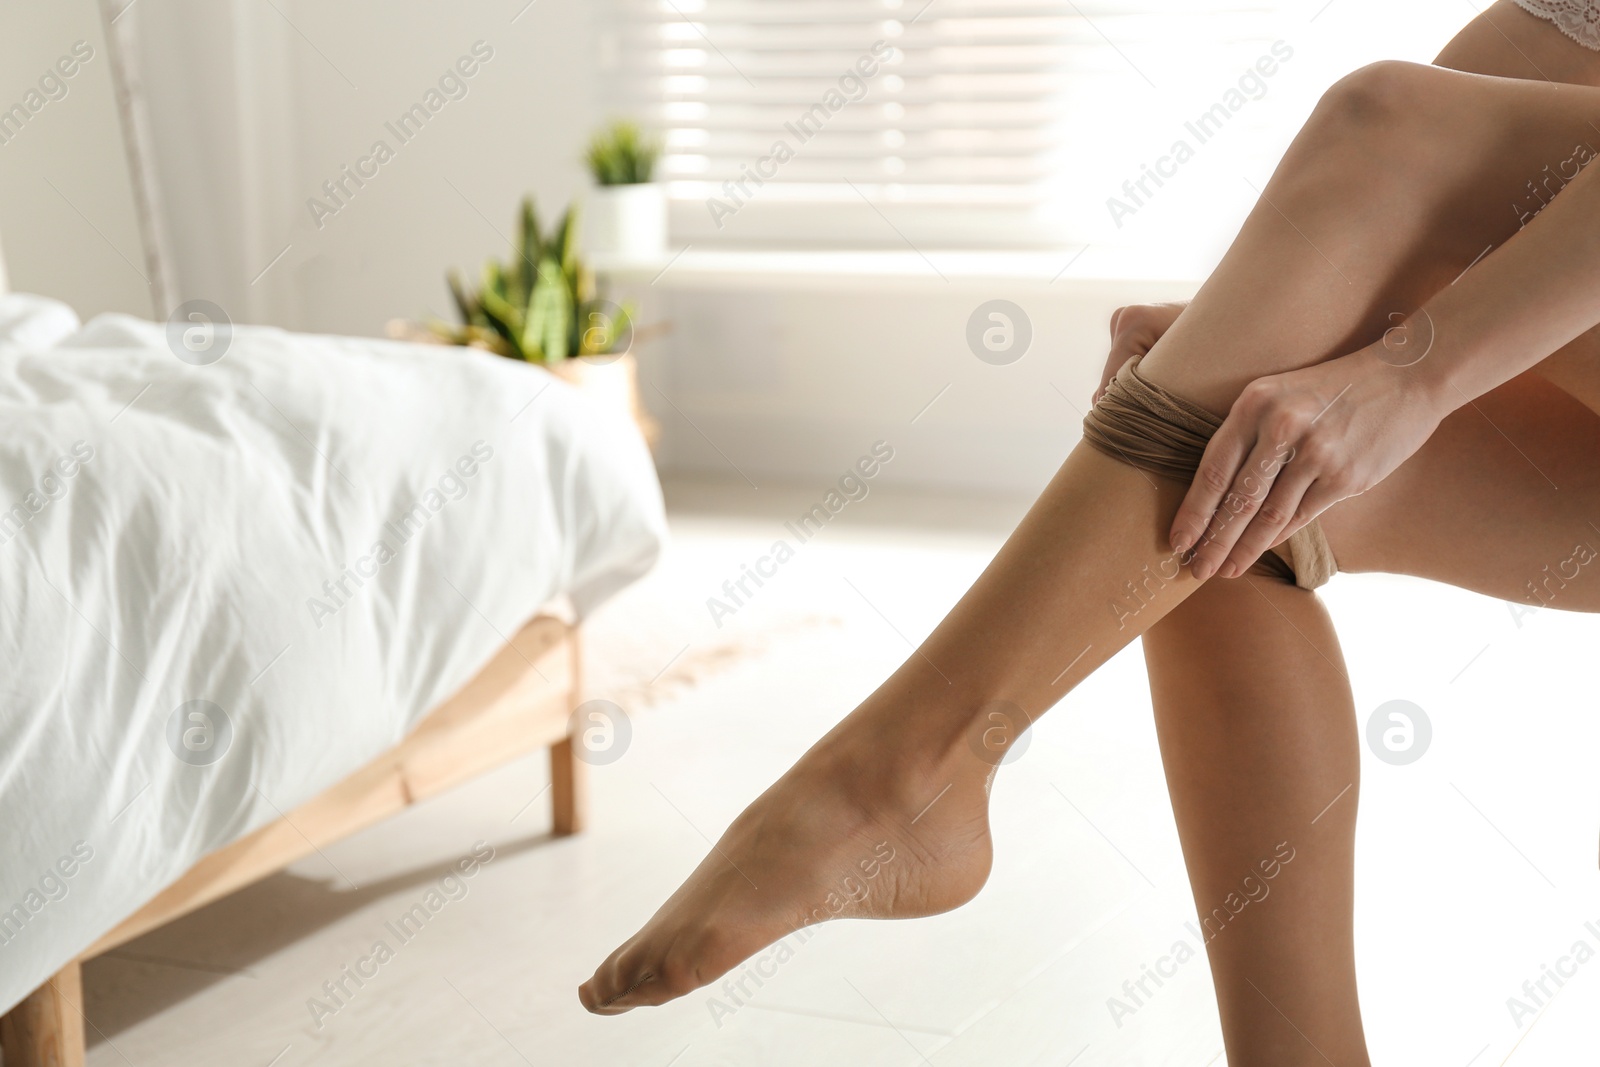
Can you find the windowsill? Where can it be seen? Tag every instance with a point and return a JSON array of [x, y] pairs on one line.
[[693, 267]]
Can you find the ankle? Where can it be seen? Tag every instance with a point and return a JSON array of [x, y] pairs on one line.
[[905, 743]]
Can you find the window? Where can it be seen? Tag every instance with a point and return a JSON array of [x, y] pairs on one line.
[[951, 123]]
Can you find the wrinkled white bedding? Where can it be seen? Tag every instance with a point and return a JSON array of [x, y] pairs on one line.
[[323, 537]]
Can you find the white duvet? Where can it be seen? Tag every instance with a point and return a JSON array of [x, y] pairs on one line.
[[321, 537]]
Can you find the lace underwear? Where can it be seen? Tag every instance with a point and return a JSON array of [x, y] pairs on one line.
[[1578, 19]]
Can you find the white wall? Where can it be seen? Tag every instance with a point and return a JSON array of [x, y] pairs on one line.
[[255, 109], [791, 376], [66, 208], [787, 374], [783, 378]]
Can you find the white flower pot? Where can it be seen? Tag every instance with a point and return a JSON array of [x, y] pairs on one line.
[[627, 221]]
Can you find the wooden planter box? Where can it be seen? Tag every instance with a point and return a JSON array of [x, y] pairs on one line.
[[612, 381]]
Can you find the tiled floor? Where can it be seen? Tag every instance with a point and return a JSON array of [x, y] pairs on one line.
[[1478, 862]]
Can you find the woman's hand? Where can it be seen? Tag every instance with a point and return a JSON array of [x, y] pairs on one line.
[[1292, 446], [1134, 331]]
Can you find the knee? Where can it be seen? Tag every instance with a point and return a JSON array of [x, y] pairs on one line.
[[1368, 132], [1376, 104], [1376, 95]]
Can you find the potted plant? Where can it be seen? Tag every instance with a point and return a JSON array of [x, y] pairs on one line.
[[627, 211], [543, 307]]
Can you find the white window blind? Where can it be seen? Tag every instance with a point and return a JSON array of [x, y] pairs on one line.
[[955, 121]]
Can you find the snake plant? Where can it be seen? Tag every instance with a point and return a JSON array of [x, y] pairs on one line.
[[542, 305], [621, 155]]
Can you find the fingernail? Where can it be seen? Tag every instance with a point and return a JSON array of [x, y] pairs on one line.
[[1202, 569], [1181, 542], [1229, 570]]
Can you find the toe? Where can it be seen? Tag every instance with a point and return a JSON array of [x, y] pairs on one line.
[[593, 994], [630, 982], [611, 990], [679, 970], [602, 988], [606, 999]]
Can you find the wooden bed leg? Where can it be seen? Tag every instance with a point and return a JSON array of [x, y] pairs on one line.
[[569, 798], [46, 1029], [569, 786]]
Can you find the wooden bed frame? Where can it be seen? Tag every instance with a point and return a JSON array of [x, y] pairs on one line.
[[521, 701]]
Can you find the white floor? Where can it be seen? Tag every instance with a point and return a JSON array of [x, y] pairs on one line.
[[1478, 862]]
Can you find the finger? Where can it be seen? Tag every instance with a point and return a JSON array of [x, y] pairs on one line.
[[1224, 455], [1239, 506], [1318, 499], [1110, 368], [1130, 344], [1113, 364], [1296, 524], [1266, 526]]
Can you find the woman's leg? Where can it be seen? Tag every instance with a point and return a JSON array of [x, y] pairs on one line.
[[1257, 729], [1254, 710], [1416, 164], [1248, 683]]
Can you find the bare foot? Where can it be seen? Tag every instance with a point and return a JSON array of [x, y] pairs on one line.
[[839, 836]]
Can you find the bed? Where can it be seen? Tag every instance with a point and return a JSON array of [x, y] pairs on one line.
[[257, 602]]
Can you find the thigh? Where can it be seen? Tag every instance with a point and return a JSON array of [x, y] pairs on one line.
[[1508, 42], [1504, 499], [1405, 175], [1576, 369]]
